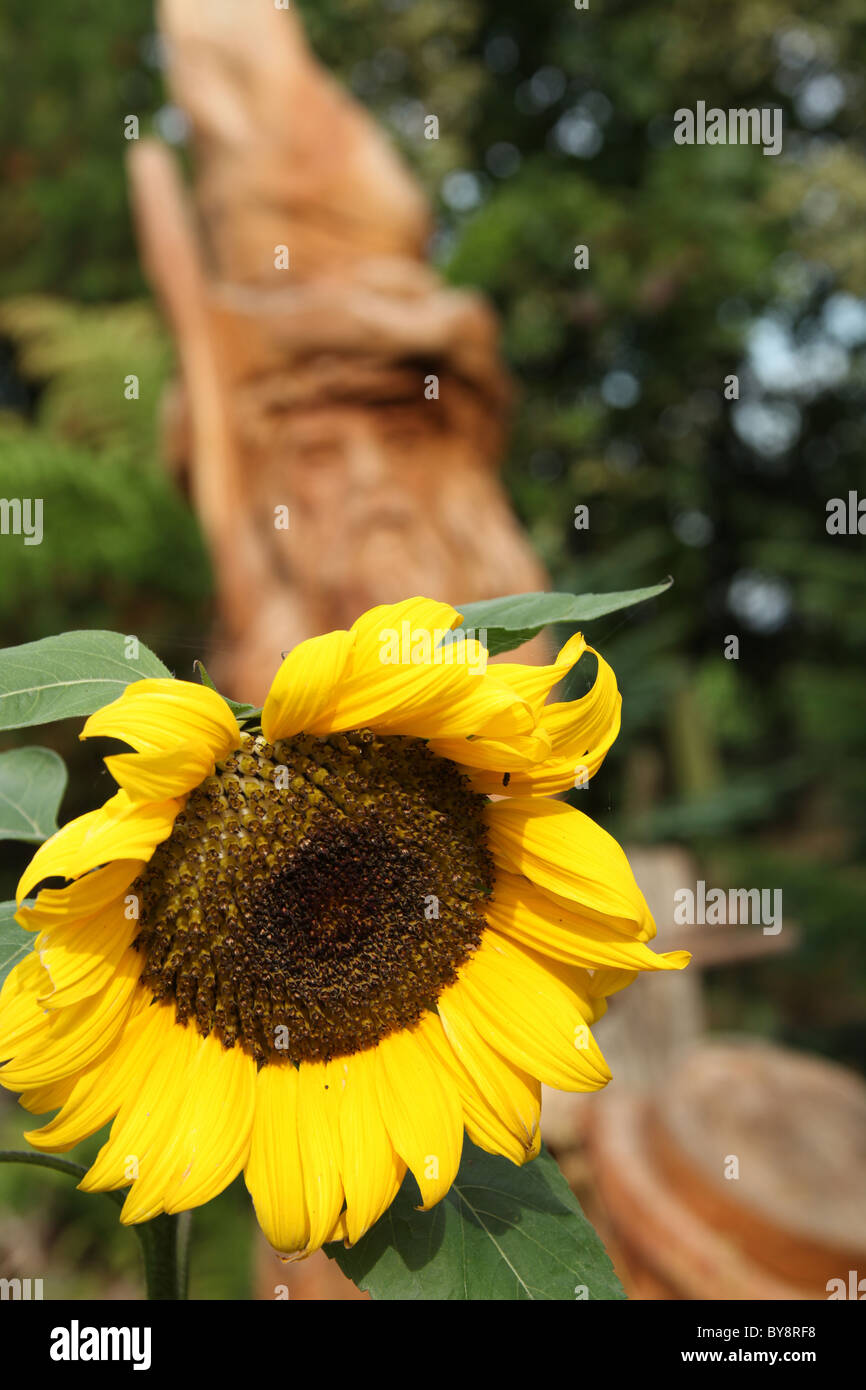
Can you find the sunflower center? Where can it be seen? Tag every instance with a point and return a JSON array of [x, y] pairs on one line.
[[316, 894]]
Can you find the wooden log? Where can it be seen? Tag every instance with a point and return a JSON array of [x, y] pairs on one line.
[[665, 1242], [796, 1127], [792, 1126]]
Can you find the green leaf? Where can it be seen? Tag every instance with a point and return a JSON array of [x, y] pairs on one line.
[[32, 783], [244, 713], [502, 1233], [73, 674], [516, 618], [15, 942], [240, 711]]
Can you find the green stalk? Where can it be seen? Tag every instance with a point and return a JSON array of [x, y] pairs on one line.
[[164, 1241], [164, 1265]]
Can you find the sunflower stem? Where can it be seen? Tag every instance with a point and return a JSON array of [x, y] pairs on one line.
[[184, 1231], [38, 1160], [163, 1245], [164, 1240]]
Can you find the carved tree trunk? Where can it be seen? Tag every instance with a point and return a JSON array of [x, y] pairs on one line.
[[340, 413]]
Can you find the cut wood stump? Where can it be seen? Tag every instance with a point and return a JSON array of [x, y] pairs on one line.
[[742, 1177]]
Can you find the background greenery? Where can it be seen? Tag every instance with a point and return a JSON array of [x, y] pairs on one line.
[[555, 129]]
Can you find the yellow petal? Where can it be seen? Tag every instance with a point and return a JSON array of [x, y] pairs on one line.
[[44, 1098], [501, 1103], [273, 1171], [96, 1094], [483, 706], [372, 1171], [486, 759], [121, 829], [522, 912], [339, 1230], [319, 1095], [179, 730], [567, 854], [70, 1039], [534, 683], [579, 733], [399, 680], [81, 956], [219, 1124], [83, 898], [147, 1119], [158, 716], [210, 1136], [526, 1013], [422, 1111], [155, 776], [21, 1014], [306, 684]]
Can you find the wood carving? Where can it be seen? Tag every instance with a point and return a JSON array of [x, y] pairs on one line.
[[340, 413]]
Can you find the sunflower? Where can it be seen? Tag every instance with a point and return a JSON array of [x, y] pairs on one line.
[[321, 953]]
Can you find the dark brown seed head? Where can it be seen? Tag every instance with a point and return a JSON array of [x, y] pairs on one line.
[[316, 895]]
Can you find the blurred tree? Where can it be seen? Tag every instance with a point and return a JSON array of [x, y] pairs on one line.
[[119, 544], [69, 81]]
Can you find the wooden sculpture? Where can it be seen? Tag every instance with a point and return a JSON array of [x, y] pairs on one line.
[[340, 413]]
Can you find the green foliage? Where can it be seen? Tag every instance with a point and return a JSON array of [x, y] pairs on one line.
[[502, 1233], [69, 675], [510, 621], [120, 545], [32, 783], [114, 531], [15, 943], [68, 83], [79, 359]]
